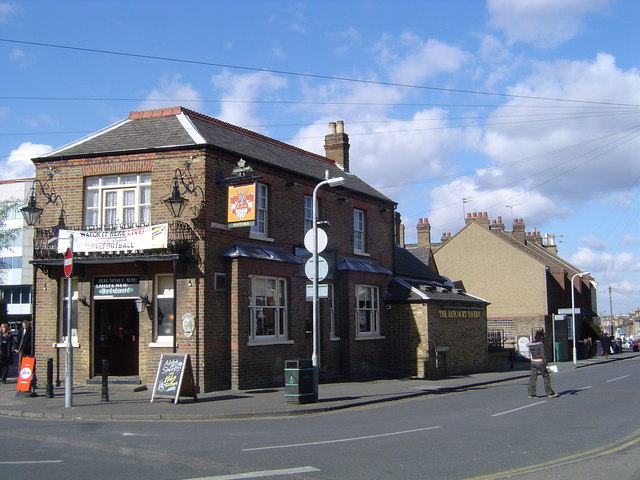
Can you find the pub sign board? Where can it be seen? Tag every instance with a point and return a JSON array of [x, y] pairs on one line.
[[174, 378], [122, 286]]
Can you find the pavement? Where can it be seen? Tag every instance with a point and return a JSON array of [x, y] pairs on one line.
[[130, 402]]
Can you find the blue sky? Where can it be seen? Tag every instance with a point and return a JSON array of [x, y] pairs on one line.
[[526, 108]]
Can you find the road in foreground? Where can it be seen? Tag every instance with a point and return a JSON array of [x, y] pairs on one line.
[[590, 431]]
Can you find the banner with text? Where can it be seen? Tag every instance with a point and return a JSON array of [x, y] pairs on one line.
[[141, 238]]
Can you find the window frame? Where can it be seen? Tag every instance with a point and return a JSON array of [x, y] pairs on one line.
[[261, 225], [280, 308], [98, 188], [359, 230], [308, 213], [162, 293], [62, 312], [372, 311]]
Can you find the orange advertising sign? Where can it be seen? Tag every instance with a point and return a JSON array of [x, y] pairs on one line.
[[25, 374], [241, 211]]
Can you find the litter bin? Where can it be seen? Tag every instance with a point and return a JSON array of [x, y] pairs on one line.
[[561, 352], [300, 381]]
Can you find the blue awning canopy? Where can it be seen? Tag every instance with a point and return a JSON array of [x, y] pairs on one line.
[[359, 265], [261, 252]]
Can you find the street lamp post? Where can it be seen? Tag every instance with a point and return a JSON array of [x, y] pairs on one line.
[[573, 315], [332, 182]]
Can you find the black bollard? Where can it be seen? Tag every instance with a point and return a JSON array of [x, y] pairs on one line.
[[105, 381], [49, 377]]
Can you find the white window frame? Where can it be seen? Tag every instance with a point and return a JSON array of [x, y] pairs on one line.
[[97, 189], [259, 298], [62, 312], [308, 213], [359, 230], [367, 306], [162, 292], [260, 228]]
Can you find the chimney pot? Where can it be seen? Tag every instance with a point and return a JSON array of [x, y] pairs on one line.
[[332, 127], [340, 126]]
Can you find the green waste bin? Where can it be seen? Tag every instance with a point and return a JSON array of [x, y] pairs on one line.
[[300, 381], [561, 352]]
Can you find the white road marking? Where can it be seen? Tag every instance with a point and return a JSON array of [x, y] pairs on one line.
[[519, 408], [28, 462], [340, 440], [618, 378], [258, 474]]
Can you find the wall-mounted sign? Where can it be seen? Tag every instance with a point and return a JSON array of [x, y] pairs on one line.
[[188, 324], [459, 313], [141, 238], [241, 211], [126, 286]]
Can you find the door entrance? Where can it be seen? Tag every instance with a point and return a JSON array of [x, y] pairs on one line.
[[116, 336]]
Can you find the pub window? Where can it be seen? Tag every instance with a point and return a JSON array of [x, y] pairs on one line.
[[308, 213], [219, 281], [163, 309], [367, 310], [358, 231], [268, 307], [118, 200], [260, 226], [62, 310]]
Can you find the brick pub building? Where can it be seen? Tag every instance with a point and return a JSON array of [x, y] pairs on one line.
[[146, 282]]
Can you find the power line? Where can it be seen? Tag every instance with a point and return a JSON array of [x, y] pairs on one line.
[[308, 75]]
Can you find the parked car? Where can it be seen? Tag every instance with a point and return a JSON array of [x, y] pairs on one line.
[[635, 345]]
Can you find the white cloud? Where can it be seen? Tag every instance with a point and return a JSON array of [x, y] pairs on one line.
[[239, 90], [566, 152], [544, 23], [605, 262], [594, 243], [417, 59], [7, 10], [19, 164], [172, 92]]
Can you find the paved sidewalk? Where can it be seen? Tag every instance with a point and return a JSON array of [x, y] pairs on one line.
[[127, 404]]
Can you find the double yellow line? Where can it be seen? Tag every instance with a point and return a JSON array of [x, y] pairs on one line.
[[613, 447]]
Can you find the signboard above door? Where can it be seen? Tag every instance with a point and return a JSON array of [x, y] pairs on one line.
[[123, 286]]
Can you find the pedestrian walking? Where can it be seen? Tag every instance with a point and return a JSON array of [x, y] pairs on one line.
[[539, 366], [24, 344], [606, 345], [6, 351]]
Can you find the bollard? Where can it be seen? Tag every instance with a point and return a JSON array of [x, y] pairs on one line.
[[105, 381], [49, 377]]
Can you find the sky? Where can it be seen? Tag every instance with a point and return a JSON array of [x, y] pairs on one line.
[[519, 108]]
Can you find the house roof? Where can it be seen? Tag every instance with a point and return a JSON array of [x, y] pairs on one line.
[[414, 263], [401, 290], [178, 127]]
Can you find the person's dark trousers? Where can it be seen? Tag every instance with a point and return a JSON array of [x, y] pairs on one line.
[[539, 369], [4, 372]]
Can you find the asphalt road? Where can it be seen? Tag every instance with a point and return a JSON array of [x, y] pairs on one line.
[[591, 431]]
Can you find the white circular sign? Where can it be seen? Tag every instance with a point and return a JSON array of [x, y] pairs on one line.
[[323, 268], [322, 240]]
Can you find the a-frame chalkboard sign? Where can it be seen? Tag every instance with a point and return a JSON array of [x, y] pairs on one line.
[[174, 378]]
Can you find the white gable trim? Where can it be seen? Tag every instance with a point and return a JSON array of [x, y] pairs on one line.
[[187, 124]]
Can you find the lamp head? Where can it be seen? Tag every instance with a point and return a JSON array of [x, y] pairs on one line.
[[336, 181]]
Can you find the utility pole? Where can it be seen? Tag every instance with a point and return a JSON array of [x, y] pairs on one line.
[[611, 312]]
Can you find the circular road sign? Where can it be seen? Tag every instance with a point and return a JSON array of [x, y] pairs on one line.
[[323, 268], [68, 262], [322, 240]]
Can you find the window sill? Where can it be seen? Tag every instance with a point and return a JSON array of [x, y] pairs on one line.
[[335, 339], [259, 236], [370, 337], [74, 344], [362, 253], [161, 344], [256, 343]]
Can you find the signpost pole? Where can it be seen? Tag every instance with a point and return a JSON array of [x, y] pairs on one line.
[[68, 381]]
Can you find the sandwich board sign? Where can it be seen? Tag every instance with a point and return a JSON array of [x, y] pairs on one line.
[[174, 378]]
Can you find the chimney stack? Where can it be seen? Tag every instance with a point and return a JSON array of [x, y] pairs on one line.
[[481, 218], [497, 225], [518, 229], [336, 145], [424, 232]]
